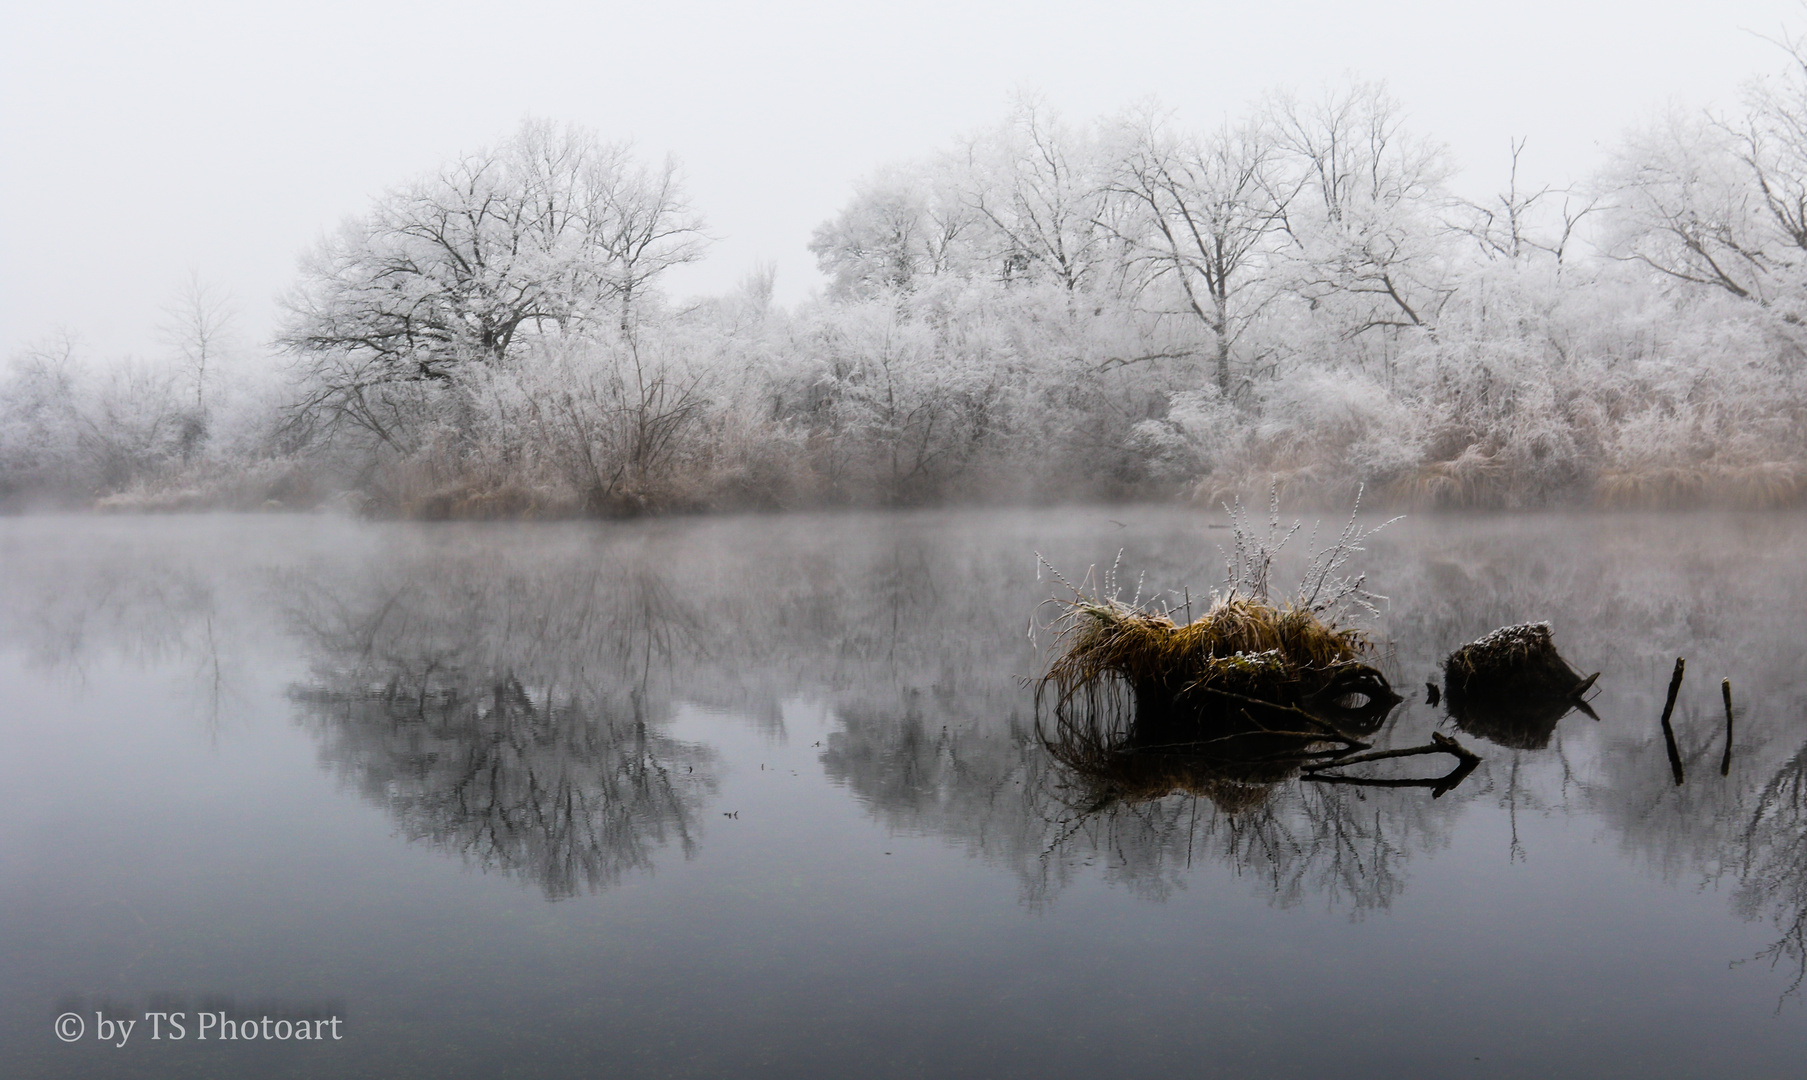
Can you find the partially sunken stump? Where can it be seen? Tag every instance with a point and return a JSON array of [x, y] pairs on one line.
[[1512, 686]]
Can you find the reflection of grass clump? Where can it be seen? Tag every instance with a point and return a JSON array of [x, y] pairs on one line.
[[1128, 776]]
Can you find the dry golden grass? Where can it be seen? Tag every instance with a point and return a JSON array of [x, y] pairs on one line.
[[1766, 485], [1473, 479], [1749, 485], [1237, 645], [1651, 487], [1138, 705]]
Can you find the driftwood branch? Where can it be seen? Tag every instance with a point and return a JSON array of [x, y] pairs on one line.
[[1466, 761]]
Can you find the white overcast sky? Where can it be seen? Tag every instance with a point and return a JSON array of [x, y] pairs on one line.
[[141, 140]]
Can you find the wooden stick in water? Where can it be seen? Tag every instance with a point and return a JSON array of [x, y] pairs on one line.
[[1675, 685], [1725, 763]]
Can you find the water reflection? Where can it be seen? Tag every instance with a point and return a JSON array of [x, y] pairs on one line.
[[1745, 834], [547, 791], [1630, 595], [506, 694], [509, 705], [1772, 865], [924, 766], [508, 721]]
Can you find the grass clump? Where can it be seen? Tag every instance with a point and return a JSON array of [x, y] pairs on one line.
[[1248, 682], [1239, 646]]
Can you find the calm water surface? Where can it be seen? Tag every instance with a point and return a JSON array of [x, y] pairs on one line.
[[762, 797]]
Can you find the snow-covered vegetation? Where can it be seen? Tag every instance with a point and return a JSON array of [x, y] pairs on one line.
[[1047, 309]]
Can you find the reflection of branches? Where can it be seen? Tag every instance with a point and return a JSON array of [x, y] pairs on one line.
[[994, 787], [573, 626], [508, 719], [537, 789], [1774, 875], [91, 601], [911, 626], [148, 614], [1300, 840]]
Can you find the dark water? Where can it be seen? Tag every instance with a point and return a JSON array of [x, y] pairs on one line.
[[762, 797]]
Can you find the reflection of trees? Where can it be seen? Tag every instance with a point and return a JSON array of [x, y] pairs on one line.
[[551, 792], [1298, 840], [1772, 871], [508, 721], [1746, 833], [73, 602], [82, 601], [991, 786], [1627, 596]]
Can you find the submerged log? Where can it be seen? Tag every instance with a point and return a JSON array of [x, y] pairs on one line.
[[1512, 686]]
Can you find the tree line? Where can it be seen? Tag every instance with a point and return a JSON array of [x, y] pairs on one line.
[[1045, 309]]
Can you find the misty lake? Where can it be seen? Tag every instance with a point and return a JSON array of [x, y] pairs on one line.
[[763, 796]]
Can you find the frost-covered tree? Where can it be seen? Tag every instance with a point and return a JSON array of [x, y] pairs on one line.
[[1018, 202], [549, 232], [613, 420], [71, 427], [1366, 238], [1772, 143], [1198, 216], [1684, 205], [1520, 225], [903, 226], [1039, 186], [198, 326]]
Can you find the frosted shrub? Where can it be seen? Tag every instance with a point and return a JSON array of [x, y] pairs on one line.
[[611, 422], [71, 428]]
